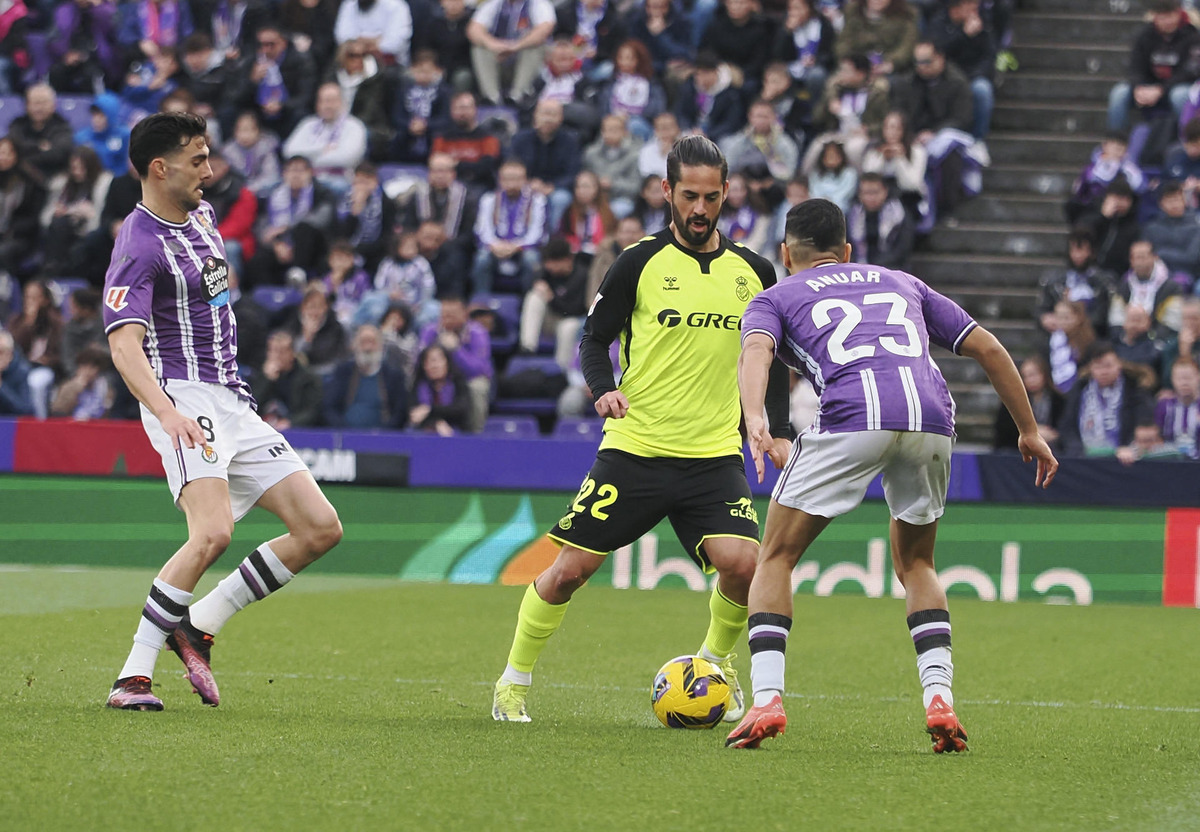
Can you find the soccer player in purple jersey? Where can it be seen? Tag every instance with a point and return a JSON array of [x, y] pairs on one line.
[[861, 334], [174, 341]]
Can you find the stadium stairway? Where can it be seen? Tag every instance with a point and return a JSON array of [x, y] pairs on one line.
[[1049, 115]]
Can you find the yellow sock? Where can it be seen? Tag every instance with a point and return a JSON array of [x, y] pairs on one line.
[[536, 622], [725, 625]]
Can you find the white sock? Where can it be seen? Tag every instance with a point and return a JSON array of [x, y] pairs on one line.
[[936, 671], [160, 616], [256, 577], [705, 653], [766, 676], [517, 677]]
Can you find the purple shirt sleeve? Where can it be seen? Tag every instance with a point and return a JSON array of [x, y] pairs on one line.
[[128, 285], [762, 315], [947, 323], [474, 355]]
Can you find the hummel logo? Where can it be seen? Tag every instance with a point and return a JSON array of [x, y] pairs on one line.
[[670, 281]]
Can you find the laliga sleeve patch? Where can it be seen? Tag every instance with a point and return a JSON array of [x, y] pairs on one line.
[[114, 297], [214, 281]]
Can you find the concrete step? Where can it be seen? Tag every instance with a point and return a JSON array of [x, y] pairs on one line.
[[1131, 8], [1046, 56], [1020, 337], [1042, 86], [1060, 117], [992, 302], [974, 429], [957, 369], [1047, 180], [1103, 29], [999, 238], [1008, 147], [1013, 208], [976, 399], [946, 272]]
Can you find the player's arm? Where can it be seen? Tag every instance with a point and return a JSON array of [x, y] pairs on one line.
[[754, 369], [779, 399], [1002, 373], [125, 343], [610, 313]]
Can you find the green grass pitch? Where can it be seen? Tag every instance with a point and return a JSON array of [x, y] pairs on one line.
[[363, 703]]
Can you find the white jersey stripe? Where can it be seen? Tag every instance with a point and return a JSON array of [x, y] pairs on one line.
[[871, 399], [198, 262], [814, 368], [914, 398], [152, 349], [181, 310]]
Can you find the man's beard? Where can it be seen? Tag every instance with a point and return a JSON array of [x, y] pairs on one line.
[[691, 237]]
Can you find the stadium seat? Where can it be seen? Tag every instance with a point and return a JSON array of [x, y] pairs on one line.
[[61, 288], [591, 430], [276, 298], [11, 106], [522, 427], [539, 405], [76, 109]]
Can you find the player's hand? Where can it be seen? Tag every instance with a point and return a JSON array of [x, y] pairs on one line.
[[612, 405], [761, 444], [183, 430], [1035, 447], [779, 452]]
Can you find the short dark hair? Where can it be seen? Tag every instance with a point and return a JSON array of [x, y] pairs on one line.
[[1120, 187], [86, 298], [1080, 235], [296, 157], [697, 151], [159, 135], [1170, 188], [366, 169], [197, 42], [932, 44], [872, 177], [706, 59], [860, 62], [817, 224], [1098, 349], [1119, 136], [556, 248], [1163, 6]]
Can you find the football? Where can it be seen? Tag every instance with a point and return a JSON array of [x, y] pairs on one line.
[[690, 692]]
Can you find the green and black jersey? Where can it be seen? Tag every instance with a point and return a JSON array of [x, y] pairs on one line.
[[677, 313]]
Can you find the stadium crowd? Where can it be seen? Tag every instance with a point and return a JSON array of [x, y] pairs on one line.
[[1121, 371], [419, 199]]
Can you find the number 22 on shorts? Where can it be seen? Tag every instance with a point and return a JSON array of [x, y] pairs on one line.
[[606, 495]]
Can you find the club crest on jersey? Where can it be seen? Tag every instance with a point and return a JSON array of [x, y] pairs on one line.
[[202, 218], [214, 281], [209, 454], [114, 298], [669, 284], [742, 291]]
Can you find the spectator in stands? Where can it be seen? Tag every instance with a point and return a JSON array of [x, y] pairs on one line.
[[277, 81], [763, 141], [38, 331], [21, 201], [740, 35], [1071, 336], [937, 100], [319, 340], [422, 103], [966, 38], [666, 31], [366, 217], [253, 153], [43, 138], [106, 136], [289, 394], [1135, 342], [230, 25], [331, 139], [236, 208], [82, 46], [1175, 234], [588, 220], [629, 231], [475, 149], [1176, 414], [74, 208], [367, 90], [551, 156], [744, 217], [900, 161], [150, 87], [1162, 65], [1187, 344], [795, 192], [346, 282], [84, 328], [633, 91], [467, 343], [613, 158], [86, 394], [791, 101], [508, 40], [561, 80], [441, 398], [445, 34], [400, 338], [851, 111], [708, 102], [442, 199], [883, 30], [1182, 163], [833, 177], [207, 69], [878, 226], [652, 158], [406, 277], [1104, 407], [384, 27], [510, 227], [805, 44], [556, 303], [14, 379], [300, 214], [1108, 161], [1083, 281], [1114, 226], [153, 25], [596, 27], [312, 24], [651, 206], [449, 263], [365, 391], [1148, 284], [1046, 401]]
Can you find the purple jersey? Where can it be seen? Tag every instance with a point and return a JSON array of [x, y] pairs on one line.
[[861, 334], [173, 279]]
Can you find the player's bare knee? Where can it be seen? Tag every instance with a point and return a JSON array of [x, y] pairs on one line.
[[325, 534], [211, 542]]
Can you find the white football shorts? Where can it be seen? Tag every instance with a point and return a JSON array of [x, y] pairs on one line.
[[829, 473], [242, 449]]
